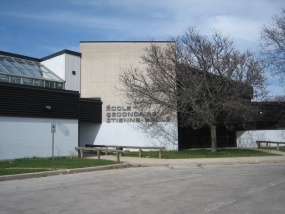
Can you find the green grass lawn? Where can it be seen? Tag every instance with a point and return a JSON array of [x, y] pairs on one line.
[[203, 153], [28, 165]]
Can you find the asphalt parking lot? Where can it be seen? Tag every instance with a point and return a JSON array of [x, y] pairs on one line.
[[223, 189]]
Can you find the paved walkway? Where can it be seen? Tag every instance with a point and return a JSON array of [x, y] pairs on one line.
[[136, 161]]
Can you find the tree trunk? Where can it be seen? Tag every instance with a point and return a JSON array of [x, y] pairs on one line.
[[213, 138]]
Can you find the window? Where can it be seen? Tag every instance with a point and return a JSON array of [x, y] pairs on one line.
[[15, 80], [4, 78], [28, 72], [27, 81], [39, 83], [59, 85]]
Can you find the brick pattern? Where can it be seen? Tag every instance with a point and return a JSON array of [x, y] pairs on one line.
[[101, 64]]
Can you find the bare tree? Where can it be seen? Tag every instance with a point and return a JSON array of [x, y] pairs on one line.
[[272, 45], [160, 134], [278, 98], [206, 81], [277, 105]]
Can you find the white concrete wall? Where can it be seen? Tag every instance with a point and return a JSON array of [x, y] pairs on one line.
[[125, 134], [72, 63], [63, 65], [27, 137], [88, 133], [112, 134], [249, 138], [56, 65]]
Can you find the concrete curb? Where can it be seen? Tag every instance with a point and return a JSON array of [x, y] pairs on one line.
[[62, 172], [173, 164], [242, 162], [198, 164]]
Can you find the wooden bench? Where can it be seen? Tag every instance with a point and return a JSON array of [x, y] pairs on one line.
[[140, 148], [258, 142], [81, 149], [119, 148], [98, 146]]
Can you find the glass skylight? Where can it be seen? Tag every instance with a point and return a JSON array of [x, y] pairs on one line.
[[28, 72]]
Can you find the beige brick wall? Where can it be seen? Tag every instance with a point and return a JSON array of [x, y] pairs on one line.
[[101, 65]]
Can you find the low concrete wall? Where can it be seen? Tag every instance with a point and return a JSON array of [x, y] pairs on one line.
[[249, 138], [27, 137], [126, 134]]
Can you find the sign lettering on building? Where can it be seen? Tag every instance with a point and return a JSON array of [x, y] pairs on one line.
[[126, 114]]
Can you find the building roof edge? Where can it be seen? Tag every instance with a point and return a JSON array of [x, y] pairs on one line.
[[19, 56], [65, 51], [146, 41]]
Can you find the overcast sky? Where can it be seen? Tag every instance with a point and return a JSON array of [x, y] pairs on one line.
[[38, 28]]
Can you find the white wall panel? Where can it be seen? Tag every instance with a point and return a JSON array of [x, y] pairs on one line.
[[56, 65], [249, 138], [112, 134], [125, 134], [72, 63], [63, 66], [28, 137]]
